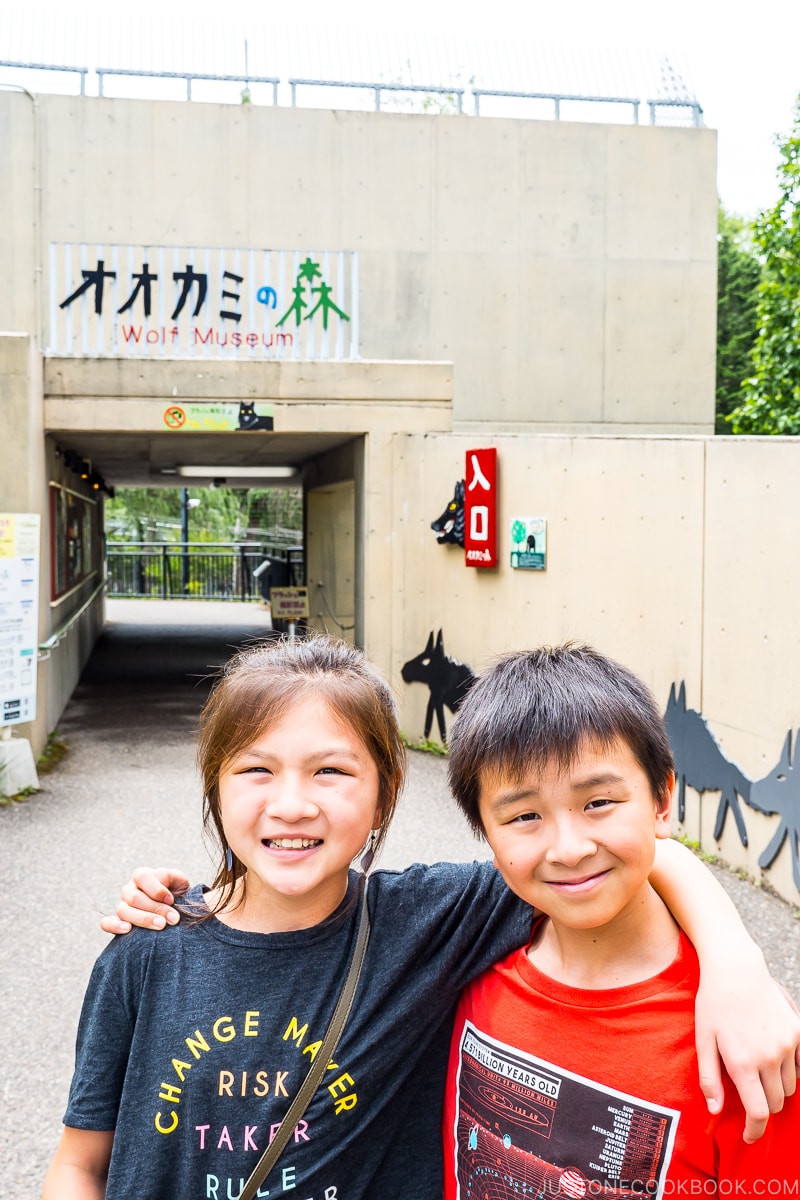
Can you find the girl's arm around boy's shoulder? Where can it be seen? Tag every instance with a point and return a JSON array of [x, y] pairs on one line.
[[79, 1169]]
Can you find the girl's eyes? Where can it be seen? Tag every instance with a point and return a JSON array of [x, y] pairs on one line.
[[524, 818], [601, 802]]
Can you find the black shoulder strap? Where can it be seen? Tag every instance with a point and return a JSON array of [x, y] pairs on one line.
[[321, 1059]]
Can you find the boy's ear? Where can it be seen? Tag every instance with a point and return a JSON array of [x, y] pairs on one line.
[[664, 808]]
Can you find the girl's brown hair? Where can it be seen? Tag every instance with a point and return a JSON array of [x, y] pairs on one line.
[[258, 686]]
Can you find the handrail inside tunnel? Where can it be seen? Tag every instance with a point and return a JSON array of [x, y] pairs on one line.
[[45, 647]]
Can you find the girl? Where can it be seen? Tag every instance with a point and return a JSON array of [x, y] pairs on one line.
[[192, 1045]]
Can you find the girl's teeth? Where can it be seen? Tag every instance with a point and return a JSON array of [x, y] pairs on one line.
[[293, 843]]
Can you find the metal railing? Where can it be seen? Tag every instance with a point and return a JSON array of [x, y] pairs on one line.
[[378, 88], [197, 570], [34, 66], [655, 107], [559, 98], [59, 635], [188, 76]]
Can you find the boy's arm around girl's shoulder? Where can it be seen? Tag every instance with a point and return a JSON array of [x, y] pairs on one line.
[[147, 900], [462, 913]]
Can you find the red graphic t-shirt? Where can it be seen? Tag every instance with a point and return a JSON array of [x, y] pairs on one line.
[[558, 1091]]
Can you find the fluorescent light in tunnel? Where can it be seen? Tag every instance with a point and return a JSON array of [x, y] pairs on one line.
[[217, 472]]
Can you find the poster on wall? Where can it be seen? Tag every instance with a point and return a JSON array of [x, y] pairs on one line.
[[480, 508], [19, 616], [73, 525], [214, 418], [529, 543]]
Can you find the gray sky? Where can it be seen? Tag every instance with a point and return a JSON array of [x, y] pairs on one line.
[[741, 58]]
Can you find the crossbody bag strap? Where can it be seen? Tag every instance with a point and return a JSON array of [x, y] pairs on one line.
[[321, 1059]]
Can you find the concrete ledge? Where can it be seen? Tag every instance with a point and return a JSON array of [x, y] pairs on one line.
[[143, 415], [197, 379], [606, 429]]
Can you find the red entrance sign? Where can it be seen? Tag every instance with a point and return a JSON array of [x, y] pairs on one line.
[[480, 508]]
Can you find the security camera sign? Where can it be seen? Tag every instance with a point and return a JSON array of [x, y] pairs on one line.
[[19, 616]]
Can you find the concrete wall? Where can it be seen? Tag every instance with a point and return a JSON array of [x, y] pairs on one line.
[[673, 555], [568, 270], [331, 559]]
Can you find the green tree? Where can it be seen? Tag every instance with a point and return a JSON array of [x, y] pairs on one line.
[[273, 508], [136, 513], [219, 514], [772, 393], [738, 277]]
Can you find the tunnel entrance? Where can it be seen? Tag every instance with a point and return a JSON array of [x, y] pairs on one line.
[[221, 517]]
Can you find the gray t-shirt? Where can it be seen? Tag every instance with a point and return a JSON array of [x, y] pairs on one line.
[[193, 1042]]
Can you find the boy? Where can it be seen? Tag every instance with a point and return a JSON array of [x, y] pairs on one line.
[[572, 1066]]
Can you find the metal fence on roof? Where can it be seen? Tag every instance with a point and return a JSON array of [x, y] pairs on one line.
[[124, 55]]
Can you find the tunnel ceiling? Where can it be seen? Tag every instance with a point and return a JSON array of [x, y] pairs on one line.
[[140, 460]]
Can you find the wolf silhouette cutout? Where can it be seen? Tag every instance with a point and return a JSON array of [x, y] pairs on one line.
[[450, 525], [699, 761], [448, 679], [250, 419], [778, 794]]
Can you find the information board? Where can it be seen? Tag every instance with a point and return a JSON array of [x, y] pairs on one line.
[[19, 616]]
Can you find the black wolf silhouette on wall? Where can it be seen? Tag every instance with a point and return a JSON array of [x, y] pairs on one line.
[[700, 763], [450, 525], [778, 794], [448, 680]]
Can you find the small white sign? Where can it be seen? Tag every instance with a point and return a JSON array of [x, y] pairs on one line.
[[289, 603], [19, 616]]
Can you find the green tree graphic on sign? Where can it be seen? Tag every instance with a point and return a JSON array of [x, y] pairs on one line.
[[307, 273], [518, 533]]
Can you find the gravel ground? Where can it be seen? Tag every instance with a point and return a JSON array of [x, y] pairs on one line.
[[126, 793]]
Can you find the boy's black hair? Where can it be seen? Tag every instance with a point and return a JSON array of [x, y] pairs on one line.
[[542, 706]]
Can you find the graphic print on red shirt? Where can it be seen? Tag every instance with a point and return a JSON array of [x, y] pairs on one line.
[[526, 1127]]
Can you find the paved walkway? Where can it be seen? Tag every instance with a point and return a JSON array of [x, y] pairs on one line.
[[126, 794]]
